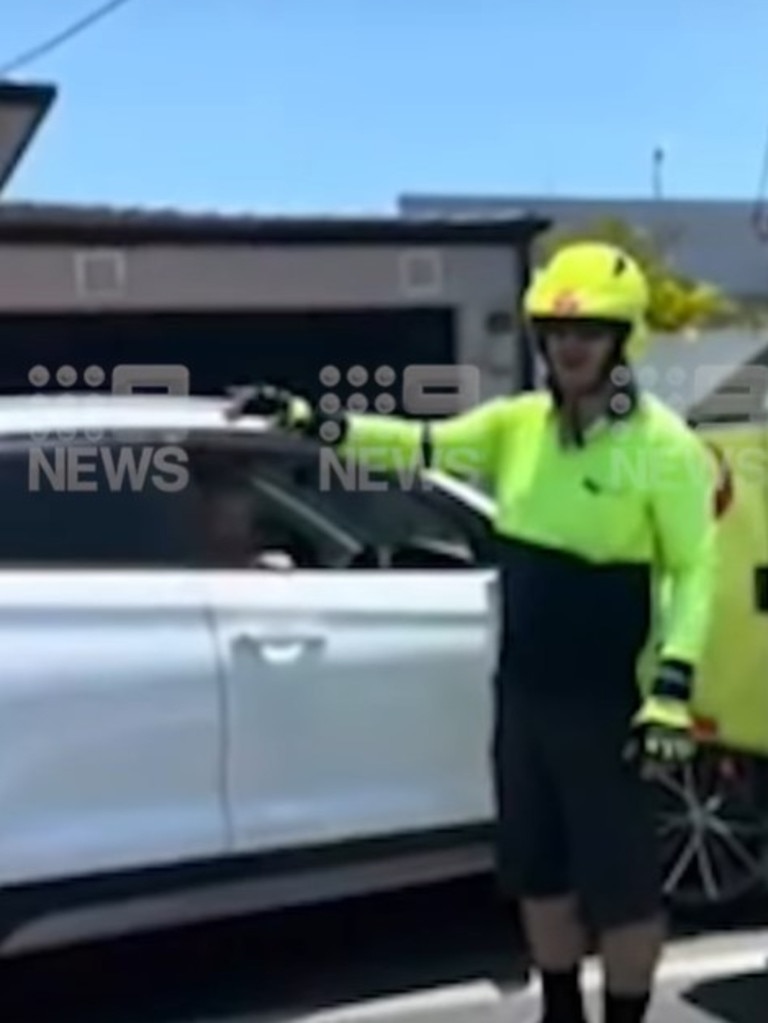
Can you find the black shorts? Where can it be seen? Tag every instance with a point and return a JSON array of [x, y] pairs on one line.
[[573, 817]]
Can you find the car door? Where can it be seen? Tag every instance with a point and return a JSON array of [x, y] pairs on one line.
[[357, 698], [110, 723]]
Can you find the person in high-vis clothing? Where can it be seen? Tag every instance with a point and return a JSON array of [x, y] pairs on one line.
[[603, 495]]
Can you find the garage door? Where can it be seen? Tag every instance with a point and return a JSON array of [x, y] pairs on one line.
[[288, 349]]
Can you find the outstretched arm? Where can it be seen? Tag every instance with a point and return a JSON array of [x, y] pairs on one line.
[[463, 445]]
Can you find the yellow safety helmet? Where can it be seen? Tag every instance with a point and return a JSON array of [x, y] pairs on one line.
[[593, 282]]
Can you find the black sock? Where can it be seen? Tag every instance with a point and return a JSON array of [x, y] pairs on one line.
[[626, 1008], [563, 1002]]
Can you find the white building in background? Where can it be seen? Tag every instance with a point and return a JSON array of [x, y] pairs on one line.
[[709, 239]]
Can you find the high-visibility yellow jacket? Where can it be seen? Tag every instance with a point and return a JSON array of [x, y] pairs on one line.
[[587, 532]]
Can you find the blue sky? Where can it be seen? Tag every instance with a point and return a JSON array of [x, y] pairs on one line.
[[341, 105]]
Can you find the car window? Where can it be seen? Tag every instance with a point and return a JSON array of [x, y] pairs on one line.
[[252, 521], [132, 506], [101, 507], [346, 525], [392, 515], [382, 509], [129, 506]]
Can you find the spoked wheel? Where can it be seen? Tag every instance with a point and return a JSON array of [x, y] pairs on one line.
[[713, 832]]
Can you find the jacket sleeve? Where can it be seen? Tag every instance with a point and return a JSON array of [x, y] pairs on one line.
[[466, 445], [683, 481]]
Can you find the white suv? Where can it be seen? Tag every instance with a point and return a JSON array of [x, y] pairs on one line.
[[198, 721]]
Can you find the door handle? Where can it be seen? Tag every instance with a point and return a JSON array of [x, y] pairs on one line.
[[281, 648]]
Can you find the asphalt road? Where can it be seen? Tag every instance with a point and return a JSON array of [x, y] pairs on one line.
[[444, 955]]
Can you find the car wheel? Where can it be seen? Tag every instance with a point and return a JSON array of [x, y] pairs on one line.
[[712, 824]]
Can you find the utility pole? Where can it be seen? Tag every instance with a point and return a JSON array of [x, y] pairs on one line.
[[665, 234], [658, 173]]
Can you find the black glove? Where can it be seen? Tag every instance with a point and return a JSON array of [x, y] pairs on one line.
[[289, 411], [662, 730]]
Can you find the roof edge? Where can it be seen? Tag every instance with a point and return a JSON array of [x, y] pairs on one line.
[[42, 224], [413, 203]]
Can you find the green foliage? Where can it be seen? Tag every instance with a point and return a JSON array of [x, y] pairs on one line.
[[678, 303]]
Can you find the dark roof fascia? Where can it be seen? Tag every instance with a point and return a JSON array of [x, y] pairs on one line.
[[124, 230]]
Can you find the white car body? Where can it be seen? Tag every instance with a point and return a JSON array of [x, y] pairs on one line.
[[179, 744]]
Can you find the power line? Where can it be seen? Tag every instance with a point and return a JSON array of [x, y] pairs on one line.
[[66, 35]]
